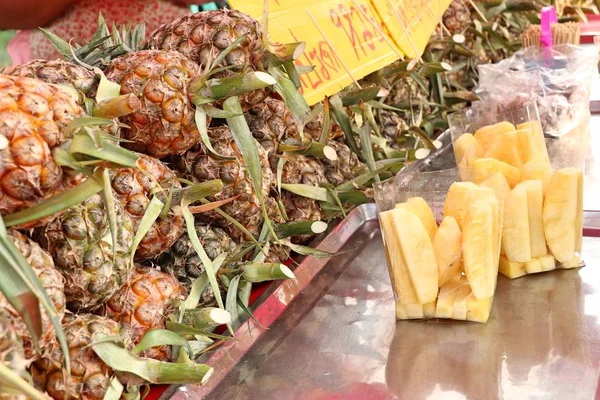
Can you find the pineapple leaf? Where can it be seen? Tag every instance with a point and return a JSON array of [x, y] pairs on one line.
[[202, 124], [77, 123], [365, 141], [84, 144], [298, 228], [262, 272], [152, 212], [61, 45], [152, 371], [203, 92], [326, 122], [11, 380], [233, 221], [211, 206], [56, 203], [308, 251], [106, 89], [365, 178], [185, 330], [244, 308], [225, 53], [421, 134], [109, 200], [292, 73], [231, 299], [305, 69], [160, 337], [115, 390], [201, 283], [309, 191], [65, 159], [291, 95], [280, 164], [360, 96], [344, 122], [214, 112]]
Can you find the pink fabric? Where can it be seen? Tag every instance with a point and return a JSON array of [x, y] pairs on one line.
[[79, 22]]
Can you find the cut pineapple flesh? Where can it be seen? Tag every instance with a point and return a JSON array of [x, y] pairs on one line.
[[506, 148], [480, 248], [537, 169], [417, 254], [460, 302], [487, 135], [538, 144], [515, 232], [466, 149], [563, 214], [548, 262], [429, 310], [533, 266], [484, 167], [498, 183], [478, 310], [396, 265], [445, 302], [415, 310], [511, 269], [535, 204], [525, 144], [419, 207], [461, 196], [447, 245]]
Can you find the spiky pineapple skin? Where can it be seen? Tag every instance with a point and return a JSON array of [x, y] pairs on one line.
[[12, 353], [183, 262], [133, 189], [77, 241], [143, 303], [200, 165], [52, 281], [56, 72], [33, 118], [164, 125], [90, 376], [203, 36], [344, 168]]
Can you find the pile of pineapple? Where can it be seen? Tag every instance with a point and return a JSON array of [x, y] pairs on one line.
[[147, 184]]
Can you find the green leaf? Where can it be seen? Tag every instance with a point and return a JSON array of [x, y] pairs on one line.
[[56, 203], [326, 122], [109, 201], [153, 371], [365, 178], [231, 300], [292, 72], [298, 228], [359, 96], [421, 134], [10, 379], [160, 337], [114, 390], [201, 283], [82, 122], [201, 123], [261, 272], [308, 191], [84, 144], [185, 330], [367, 146], [150, 215], [291, 95], [227, 51], [308, 251], [106, 89], [61, 45], [344, 123]]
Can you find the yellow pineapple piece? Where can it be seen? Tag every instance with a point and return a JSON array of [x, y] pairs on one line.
[[447, 245], [498, 183], [478, 310], [466, 149], [429, 310], [419, 207], [535, 204], [445, 302], [484, 167], [480, 248], [401, 312], [487, 135], [537, 169], [515, 231], [460, 197], [417, 254], [460, 302], [537, 143], [512, 269], [396, 265], [506, 148], [533, 266], [563, 214], [575, 262], [548, 262], [525, 144]]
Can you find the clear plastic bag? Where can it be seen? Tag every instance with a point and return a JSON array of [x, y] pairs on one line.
[[543, 209], [429, 220]]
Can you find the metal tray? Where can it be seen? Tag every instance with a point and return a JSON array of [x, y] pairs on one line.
[[338, 337]]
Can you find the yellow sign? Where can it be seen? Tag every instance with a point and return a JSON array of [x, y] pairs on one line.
[[345, 39]]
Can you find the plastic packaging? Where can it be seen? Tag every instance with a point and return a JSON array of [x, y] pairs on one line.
[[543, 186], [442, 240]]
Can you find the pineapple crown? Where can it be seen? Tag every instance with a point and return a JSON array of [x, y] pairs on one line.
[[103, 47]]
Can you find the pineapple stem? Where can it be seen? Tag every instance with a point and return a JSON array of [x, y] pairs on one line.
[[117, 106], [209, 316], [257, 272]]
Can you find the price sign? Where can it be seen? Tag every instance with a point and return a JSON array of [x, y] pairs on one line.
[[345, 39]]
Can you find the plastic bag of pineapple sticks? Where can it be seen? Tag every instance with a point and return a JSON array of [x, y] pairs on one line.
[[441, 239], [543, 186]]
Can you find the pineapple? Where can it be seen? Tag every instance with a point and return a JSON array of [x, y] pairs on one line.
[[80, 243], [200, 165], [182, 261], [33, 118], [51, 280], [203, 36], [143, 303], [164, 125], [392, 127], [515, 232], [12, 353], [134, 188], [344, 168], [57, 72], [457, 17], [90, 376], [447, 245], [419, 207]]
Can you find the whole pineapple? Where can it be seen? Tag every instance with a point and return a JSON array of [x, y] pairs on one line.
[[143, 303], [90, 376], [33, 118], [12, 353], [134, 189], [393, 127], [344, 168], [203, 36], [200, 165], [52, 281], [56, 72], [182, 261], [80, 243], [164, 125], [457, 17]]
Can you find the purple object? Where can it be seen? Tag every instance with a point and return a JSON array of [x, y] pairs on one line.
[[548, 18]]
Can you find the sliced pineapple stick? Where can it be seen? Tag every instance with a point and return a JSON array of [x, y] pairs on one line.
[[538, 144], [398, 272], [535, 204], [479, 249], [515, 231], [409, 311], [466, 149], [484, 167], [548, 262], [419, 207], [445, 302], [563, 214], [460, 302], [417, 254], [487, 135], [460, 197], [498, 183], [447, 245], [537, 169], [525, 144], [512, 269], [478, 310], [506, 148], [533, 266], [429, 310]]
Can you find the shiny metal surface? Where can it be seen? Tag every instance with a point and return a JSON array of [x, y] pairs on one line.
[[339, 340]]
